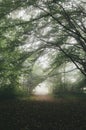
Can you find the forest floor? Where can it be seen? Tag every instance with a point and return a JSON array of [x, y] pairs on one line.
[[43, 113]]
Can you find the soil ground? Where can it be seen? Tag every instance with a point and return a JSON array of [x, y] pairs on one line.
[[43, 113]]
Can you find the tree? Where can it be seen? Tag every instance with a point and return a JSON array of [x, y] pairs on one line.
[[51, 24], [16, 57], [12, 40], [61, 25]]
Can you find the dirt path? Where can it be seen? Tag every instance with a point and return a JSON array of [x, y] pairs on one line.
[[42, 113], [46, 98]]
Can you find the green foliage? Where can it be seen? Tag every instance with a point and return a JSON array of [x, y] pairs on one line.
[[79, 85], [67, 30], [7, 91], [12, 56], [54, 26]]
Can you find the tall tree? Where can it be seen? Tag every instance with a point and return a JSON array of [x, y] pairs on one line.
[[12, 51], [61, 25]]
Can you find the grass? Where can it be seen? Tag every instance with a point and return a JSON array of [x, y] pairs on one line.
[[43, 113]]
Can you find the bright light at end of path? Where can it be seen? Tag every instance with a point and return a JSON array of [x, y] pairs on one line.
[[41, 90]]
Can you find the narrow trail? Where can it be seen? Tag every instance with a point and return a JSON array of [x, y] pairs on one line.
[[42, 112], [46, 98]]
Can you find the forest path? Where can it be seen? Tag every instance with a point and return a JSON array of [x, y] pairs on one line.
[[46, 98]]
